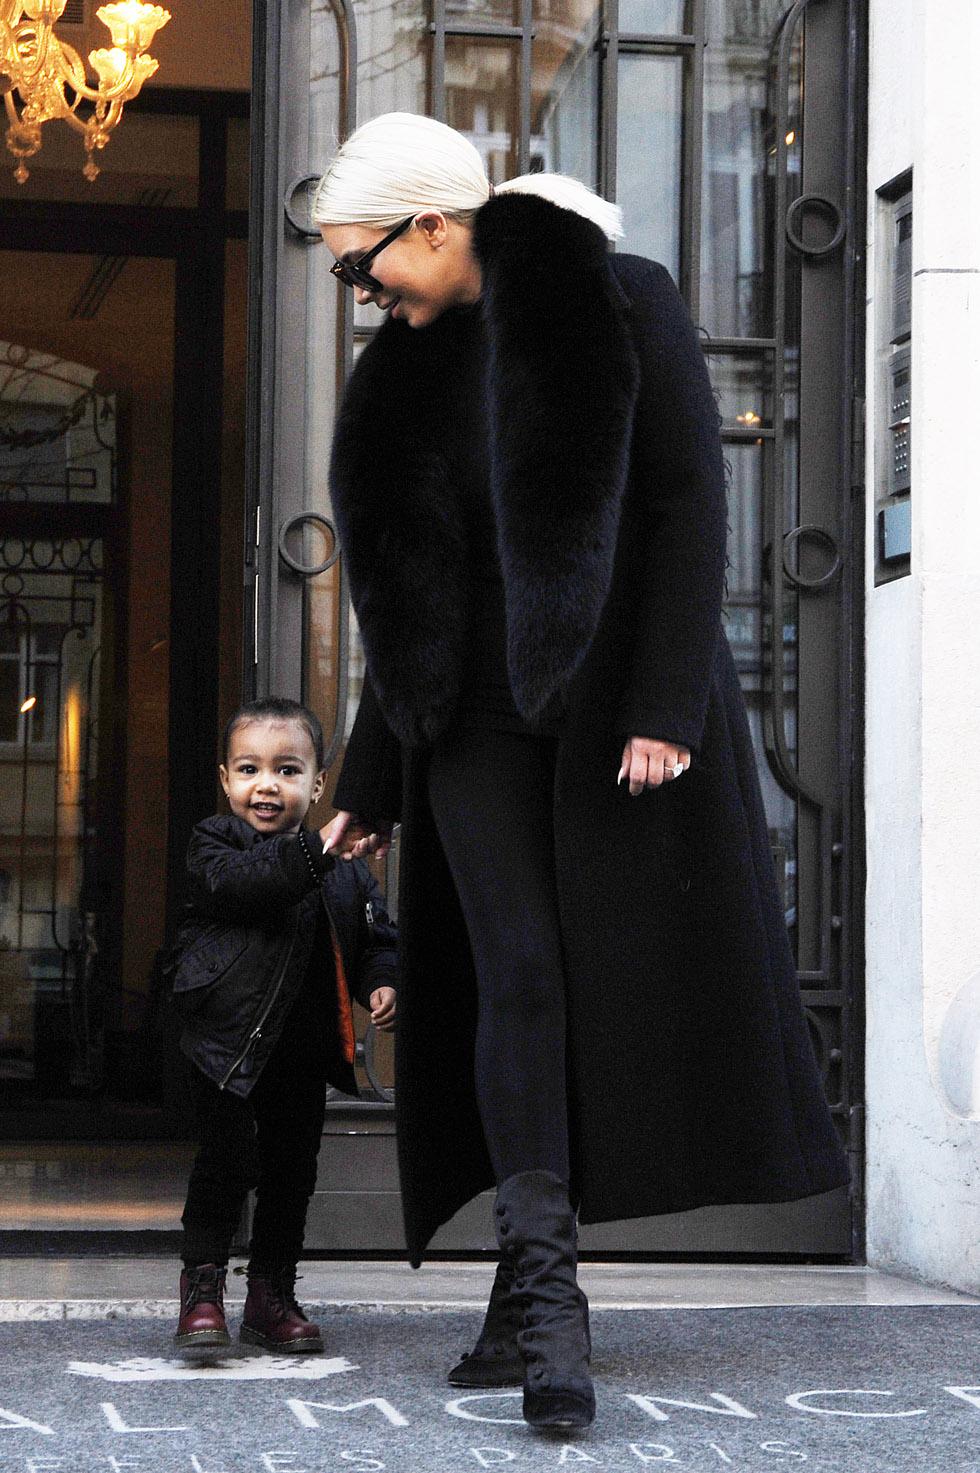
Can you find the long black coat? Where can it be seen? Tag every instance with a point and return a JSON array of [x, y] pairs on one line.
[[691, 1076]]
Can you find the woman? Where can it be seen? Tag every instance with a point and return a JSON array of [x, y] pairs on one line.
[[599, 1007]]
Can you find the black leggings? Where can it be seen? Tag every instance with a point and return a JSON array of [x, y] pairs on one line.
[[268, 1141], [492, 800]]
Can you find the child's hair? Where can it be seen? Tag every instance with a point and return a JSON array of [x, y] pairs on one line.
[[275, 708]]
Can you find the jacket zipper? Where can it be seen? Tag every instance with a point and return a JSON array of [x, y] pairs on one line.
[[256, 1032]]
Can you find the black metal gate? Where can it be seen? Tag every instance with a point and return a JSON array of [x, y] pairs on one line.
[[727, 129]]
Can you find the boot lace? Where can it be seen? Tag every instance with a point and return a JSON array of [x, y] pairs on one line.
[[205, 1285], [282, 1292]]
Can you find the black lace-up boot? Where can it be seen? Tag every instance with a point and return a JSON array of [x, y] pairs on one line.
[[272, 1316], [495, 1359], [202, 1312], [536, 1230]]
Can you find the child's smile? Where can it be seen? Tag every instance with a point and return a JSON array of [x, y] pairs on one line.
[[271, 777]]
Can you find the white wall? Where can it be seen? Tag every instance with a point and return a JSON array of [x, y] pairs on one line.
[[923, 662]]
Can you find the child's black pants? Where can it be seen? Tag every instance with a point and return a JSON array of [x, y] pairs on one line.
[[268, 1141]]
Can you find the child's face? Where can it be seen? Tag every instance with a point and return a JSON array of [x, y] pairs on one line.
[[271, 777]]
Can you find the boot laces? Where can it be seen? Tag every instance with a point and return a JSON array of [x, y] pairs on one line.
[[282, 1291], [205, 1285]]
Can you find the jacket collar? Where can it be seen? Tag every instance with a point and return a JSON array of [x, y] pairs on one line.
[[546, 370]]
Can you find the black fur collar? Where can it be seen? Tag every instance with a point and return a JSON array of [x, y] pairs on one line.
[[556, 391]]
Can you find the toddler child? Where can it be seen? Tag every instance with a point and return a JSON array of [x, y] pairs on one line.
[[274, 939]]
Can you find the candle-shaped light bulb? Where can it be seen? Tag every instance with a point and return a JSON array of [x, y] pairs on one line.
[[131, 23], [110, 66]]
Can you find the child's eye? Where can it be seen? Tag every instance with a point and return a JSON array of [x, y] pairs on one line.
[[245, 768], [289, 771]]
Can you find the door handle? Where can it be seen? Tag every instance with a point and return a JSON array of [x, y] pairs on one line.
[[303, 229], [827, 540], [297, 521]]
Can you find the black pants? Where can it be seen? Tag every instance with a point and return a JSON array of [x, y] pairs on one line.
[[492, 800], [268, 1141]]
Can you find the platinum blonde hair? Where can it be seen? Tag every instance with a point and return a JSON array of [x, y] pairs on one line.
[[402, 163]]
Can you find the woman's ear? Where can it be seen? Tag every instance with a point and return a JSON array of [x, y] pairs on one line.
[[434, 227]]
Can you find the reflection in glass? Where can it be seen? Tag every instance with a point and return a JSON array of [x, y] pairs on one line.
[[392, 46], [654, 17], [481, 100], [57, 432], [237, 164], [51, 616], [565, 89], [649, 183], [483, 12], [742, 384], [153, 160], [739, 161], [748, 628]]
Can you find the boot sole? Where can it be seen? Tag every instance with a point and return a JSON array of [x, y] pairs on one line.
[[290, 1347], [203, 1340], [559, 1410]]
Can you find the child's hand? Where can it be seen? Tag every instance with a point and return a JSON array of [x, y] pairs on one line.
[[383, 1008]]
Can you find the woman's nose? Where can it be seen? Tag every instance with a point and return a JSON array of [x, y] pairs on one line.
[[362, 296]]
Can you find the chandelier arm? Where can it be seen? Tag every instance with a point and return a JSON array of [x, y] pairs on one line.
[[99, 94], [21, 70]]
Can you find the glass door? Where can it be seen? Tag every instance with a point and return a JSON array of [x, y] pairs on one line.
[[121, 518], [725, 129]]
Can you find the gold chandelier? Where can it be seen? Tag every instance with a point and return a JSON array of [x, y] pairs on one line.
[[49, 75]]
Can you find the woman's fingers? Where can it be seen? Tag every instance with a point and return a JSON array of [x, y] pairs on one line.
[[648, 763], [642, 771], [332, 833]]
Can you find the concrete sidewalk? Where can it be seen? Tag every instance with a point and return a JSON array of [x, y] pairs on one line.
[[96, 1288]]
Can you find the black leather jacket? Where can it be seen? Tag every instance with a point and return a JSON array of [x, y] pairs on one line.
[[246, 940]]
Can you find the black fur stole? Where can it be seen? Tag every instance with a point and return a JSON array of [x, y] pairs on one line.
[[556, 394]]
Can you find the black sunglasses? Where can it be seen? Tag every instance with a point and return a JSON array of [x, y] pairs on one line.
[[352, 273]]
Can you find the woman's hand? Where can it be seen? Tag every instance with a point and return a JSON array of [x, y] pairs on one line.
[[648, 763], [383, 1008], [350, 837]]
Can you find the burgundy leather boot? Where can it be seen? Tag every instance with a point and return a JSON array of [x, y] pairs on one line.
[[202, 1311], [272, 1317]]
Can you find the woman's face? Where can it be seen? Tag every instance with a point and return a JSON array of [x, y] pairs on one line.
[[422, 273]]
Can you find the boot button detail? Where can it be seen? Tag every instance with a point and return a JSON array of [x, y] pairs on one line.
[[518, 1283], [500, 1210], [504, 1229], [541, 1377]]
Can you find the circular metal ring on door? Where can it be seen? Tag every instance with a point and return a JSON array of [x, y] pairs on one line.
[[306, 231], [818, 534], [297, 521], [823, 206]]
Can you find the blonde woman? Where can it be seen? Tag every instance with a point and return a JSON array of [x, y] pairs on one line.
[[598, 1005]]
